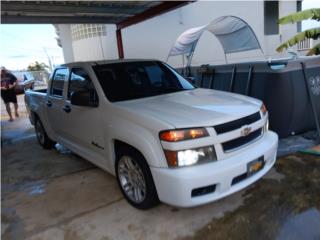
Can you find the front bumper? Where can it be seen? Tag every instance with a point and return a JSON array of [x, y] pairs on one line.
[[174, 186]]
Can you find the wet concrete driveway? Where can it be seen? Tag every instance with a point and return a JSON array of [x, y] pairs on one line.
[[57, 195]]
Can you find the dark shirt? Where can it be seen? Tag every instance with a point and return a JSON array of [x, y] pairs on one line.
[[8, 79]]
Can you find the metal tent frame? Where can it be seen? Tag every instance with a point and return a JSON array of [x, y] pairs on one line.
[[187, 48]]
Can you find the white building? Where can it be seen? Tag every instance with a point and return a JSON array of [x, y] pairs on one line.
[[154, 38]]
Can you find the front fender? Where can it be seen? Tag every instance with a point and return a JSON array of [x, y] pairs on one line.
[[144, 140]]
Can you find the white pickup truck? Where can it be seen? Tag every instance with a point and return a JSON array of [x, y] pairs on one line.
[[163, 138]]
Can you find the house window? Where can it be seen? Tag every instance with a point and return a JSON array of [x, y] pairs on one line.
[[84, 31], [271, 16]]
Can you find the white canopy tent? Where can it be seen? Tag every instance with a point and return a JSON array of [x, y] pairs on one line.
[[234, 34]]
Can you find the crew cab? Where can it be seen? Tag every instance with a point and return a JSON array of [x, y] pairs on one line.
[[163, 138]]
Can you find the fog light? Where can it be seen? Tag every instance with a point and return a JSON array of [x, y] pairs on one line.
[[190, 156], [203, 190]]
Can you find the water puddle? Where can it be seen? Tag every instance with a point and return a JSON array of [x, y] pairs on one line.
[[37, 189], [275, 208], [62, 149], [305, 225]]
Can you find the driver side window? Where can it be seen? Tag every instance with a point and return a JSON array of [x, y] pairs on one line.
[[79, 81]]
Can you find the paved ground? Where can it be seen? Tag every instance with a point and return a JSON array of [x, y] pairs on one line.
[[57, 195]]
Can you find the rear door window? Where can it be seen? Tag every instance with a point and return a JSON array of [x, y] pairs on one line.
[[58, 80]]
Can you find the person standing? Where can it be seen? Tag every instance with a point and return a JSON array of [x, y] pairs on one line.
[[8, 95]]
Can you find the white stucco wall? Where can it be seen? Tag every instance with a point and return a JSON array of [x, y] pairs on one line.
[[163, 31], [66, 42], [154, 37], [285, 31], [96, 48]]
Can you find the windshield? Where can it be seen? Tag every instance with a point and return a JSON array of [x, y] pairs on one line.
[[133, 80]]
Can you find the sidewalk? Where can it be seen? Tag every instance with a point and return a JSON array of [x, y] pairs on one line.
[[22, 109]]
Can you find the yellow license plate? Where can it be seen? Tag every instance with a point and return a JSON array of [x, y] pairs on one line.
[[255, 166]]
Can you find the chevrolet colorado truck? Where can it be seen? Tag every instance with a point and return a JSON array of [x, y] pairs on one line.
[[163, 138]]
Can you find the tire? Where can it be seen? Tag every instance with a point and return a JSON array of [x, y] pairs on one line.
[[136, 184], [42, 136]]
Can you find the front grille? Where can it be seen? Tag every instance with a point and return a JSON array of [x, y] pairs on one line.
[[233, 125], [238, 142]]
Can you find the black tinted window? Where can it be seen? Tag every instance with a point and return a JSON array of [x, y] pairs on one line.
[[79, 80], [132, 80], [271, 16], [60, 76]]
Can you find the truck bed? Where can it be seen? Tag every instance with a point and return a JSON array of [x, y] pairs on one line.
[[39, 91], [35, 100]]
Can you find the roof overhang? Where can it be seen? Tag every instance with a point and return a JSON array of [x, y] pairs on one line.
[[121, 13]]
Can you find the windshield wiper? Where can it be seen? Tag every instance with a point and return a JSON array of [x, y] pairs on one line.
[[174, 89]]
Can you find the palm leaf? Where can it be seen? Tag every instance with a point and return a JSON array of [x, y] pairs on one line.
[[313, 13], [313, 33], [314, 51]]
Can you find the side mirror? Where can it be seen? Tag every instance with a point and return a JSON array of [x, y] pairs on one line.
[[191, 80], [86, 98]]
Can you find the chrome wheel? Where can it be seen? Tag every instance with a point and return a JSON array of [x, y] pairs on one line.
[[40, 133], [131, 179]]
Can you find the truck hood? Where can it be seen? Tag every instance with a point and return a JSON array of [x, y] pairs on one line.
[[194, 108]]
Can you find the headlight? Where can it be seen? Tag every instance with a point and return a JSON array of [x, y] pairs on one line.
[[183, 134], [263, 110], [190, 156]]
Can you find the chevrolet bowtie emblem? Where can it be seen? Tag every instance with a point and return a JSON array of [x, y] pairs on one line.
[[246, 131]]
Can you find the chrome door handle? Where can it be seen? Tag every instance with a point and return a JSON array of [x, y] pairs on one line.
[[49, 103], [67, 109]]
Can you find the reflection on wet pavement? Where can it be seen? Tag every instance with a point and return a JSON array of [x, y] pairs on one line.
[[281, 208], [62, 149], [37, 189], [305, 225]]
